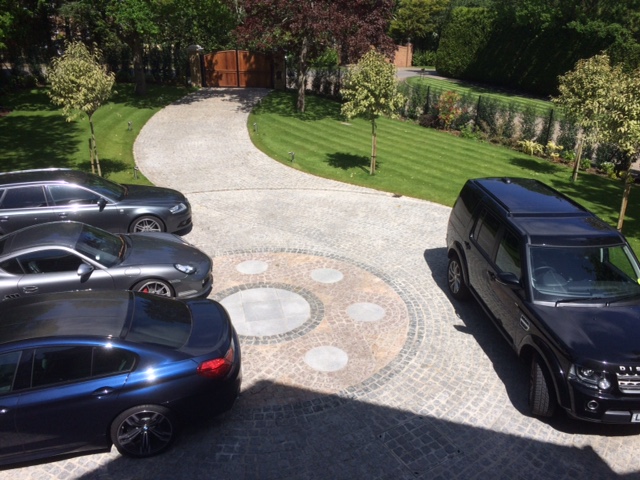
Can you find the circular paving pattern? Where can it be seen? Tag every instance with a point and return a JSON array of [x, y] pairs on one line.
[[309, 325]]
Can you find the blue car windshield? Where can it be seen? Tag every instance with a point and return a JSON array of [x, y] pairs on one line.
[[159, 321], [575, 273], [103, 247]]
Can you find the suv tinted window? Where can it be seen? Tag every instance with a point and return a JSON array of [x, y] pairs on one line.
[[24, 197], [508, 256], [486, 231]]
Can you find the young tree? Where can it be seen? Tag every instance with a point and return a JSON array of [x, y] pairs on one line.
[[80, 84], [305, 29], [371, 91], [605, 102]]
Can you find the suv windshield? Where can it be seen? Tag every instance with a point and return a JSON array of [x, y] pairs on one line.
[[574, 273]]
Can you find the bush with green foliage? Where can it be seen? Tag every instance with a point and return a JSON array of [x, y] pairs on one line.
[[463, 36], [529, 123], [424, 58]]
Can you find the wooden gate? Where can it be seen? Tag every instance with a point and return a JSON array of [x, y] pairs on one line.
[[238, 68]]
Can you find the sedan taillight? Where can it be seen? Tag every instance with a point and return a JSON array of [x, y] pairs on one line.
[[217, 367]]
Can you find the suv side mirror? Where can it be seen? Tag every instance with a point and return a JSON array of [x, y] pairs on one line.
[[102, 203], [508, 279]]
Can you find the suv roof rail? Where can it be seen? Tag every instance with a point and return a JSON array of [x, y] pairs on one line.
[[35, 170]]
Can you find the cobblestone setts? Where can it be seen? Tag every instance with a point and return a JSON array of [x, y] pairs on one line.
[[430, 390]]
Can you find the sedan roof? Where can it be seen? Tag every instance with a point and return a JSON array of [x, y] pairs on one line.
[[64, 234], [87, 313]]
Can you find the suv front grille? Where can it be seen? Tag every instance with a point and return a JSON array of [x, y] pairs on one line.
[[629, 383]]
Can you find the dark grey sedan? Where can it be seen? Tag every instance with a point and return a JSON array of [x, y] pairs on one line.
[[30, 197], [65, 256]]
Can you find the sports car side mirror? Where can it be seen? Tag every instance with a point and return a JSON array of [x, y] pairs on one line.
[[102, 203], [84, 269]]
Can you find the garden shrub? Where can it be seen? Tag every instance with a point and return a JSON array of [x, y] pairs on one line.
[[529, 129], [424, 58]]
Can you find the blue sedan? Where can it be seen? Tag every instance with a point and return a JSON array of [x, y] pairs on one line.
[[81, 371]]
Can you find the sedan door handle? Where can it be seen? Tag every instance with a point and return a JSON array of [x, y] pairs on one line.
[[103, 391], [30, 289], [4, 410], [4, 218], [62, 215]]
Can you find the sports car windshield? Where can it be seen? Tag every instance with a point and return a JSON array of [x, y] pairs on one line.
[[573, 274], [103, 247]]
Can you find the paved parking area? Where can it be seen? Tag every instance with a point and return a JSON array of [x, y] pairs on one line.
[[357, 365]]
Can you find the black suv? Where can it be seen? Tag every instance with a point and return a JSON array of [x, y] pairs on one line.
[[563, 288], [29, 197]]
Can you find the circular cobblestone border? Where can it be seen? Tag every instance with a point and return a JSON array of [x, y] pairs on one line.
[[315, 317], [318, 400]]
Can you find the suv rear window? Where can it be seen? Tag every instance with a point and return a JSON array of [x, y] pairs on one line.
[[160, 321]]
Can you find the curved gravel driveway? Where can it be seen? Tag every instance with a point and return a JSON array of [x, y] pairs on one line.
[[357, 365]]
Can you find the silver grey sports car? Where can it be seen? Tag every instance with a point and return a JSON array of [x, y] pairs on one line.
[[65, 256]]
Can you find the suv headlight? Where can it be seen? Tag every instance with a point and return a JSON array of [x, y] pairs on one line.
[[179, 208], [188, 269], [589, 377]]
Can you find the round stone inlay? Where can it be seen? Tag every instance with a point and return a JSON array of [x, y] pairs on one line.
[[365, 312], [327, 275], [266, 311], [326, 359], [252, 267]]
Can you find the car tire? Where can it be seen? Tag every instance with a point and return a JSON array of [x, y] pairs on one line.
[[455, 278], [542, 400], [143, 431], [154, 286], [148, 223]]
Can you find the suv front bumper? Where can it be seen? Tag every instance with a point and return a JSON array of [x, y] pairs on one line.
[[591, 405]]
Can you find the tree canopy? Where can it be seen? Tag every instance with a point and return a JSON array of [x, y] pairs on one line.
[[371, 91], [305, 29], [80, 84], [605, 102]]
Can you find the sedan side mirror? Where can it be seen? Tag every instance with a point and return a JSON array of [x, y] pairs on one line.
[[84, 270], [102, 203]]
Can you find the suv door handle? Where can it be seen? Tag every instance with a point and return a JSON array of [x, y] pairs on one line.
[[30, 289]]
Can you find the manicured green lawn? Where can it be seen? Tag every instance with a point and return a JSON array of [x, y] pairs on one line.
[[541, 106], [36, 135], [412, 160]]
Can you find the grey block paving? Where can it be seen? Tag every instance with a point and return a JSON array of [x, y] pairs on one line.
[[383, 376]]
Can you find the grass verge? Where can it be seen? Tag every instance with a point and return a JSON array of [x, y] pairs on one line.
[[36, 135]]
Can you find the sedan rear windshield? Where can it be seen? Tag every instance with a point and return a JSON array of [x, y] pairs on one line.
[[159, 321]]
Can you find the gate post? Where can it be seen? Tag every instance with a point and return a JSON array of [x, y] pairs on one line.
[[195, 64]]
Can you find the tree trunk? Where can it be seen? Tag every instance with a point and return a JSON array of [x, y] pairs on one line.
[[302, 75], [94, 148], [576, 165], [374, 147], [628, 181], [137, 48]]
